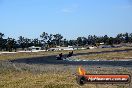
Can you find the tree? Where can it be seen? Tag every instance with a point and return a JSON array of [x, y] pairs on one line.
[[79, 41], [126, 37], [1, 40], [72, 42], [50, 42], [27, 42], [35, 42], [44, 37], [91, 40], [57, 38], [110, 41], [65, 42], [130, 37], [1, 35], [119, 38], [84, 41], [105, 39], [4, 42], [21, 42], [11, 44]]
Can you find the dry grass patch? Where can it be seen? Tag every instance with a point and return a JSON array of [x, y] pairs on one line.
[[106, 56], [28, 55], [11, 78], [30, 80], [49, 53]]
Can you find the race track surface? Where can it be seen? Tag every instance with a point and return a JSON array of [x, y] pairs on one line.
[[52, 60]]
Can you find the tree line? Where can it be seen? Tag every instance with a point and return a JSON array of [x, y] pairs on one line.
[[52, 40]]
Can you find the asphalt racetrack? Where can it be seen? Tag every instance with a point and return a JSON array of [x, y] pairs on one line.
[[52, 60]]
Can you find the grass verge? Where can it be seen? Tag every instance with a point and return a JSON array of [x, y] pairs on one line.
[[48, 53]]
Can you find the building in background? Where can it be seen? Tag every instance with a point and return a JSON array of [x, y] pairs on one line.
[[33, 48]]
